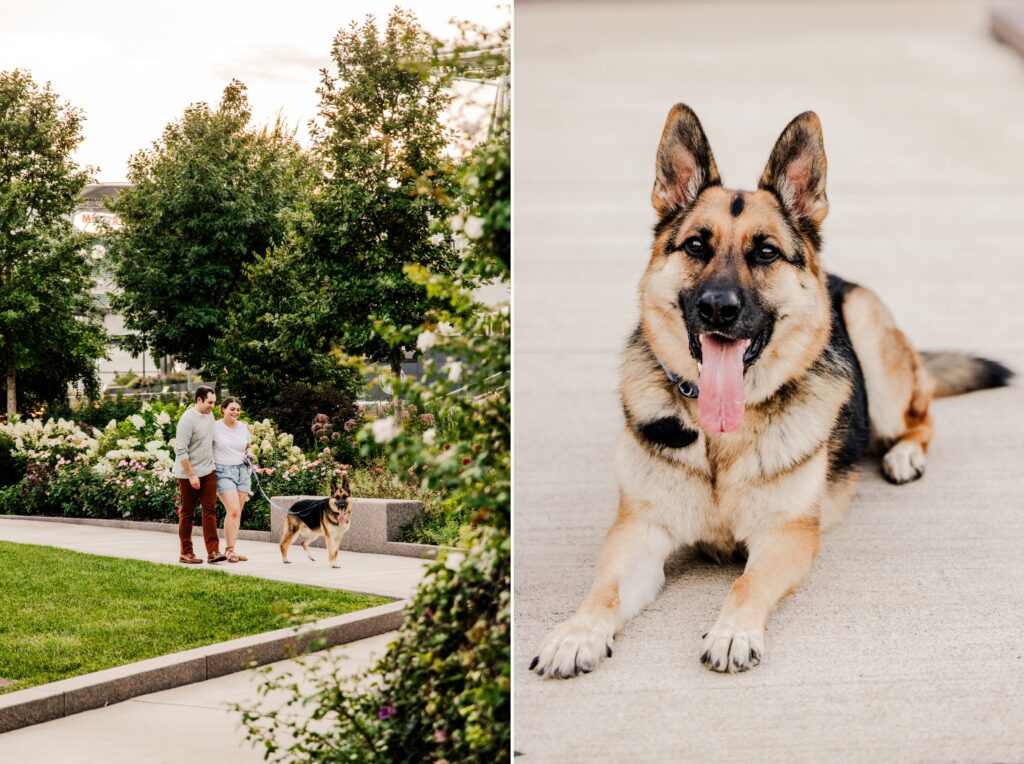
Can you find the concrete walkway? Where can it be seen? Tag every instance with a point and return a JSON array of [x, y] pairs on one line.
[[905, 643], [186, 724], [385, 575]]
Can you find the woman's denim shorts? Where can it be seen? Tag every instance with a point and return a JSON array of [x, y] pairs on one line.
[[233, 477]]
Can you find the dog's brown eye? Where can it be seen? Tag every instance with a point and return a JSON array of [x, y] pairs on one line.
[[695, 246], [766, 253]]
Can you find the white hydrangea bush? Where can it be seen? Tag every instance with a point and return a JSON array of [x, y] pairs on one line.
[[50, 440]]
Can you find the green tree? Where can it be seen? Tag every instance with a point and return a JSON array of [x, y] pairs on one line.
[[204, 199], [442, 690], [49, 335], [386, 182], [271, 338]]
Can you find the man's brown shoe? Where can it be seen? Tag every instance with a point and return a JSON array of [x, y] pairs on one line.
[[216, 557], [190, 559]]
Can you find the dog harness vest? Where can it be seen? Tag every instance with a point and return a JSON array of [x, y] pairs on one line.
[[310, 511]]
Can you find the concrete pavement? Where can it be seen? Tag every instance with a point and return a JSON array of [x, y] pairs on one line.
[[905, 642], [190, 723], [385, 575]]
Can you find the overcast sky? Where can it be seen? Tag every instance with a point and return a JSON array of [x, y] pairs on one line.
[[134, 67]]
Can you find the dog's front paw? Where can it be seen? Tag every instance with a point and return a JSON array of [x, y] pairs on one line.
[[335, 565], [732, 649], [572, 648], [904, 462], [287, 562]]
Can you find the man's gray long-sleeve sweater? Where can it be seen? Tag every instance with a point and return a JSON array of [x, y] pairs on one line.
[[193, 440]]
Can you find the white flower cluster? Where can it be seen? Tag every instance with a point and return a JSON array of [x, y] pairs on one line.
[[267, 442], [153, 457], [33, 435]]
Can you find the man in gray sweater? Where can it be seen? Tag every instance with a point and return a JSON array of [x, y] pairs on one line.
[[197, 481]]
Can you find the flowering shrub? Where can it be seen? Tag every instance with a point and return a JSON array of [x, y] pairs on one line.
[[337, 433], [35, 440], [98, 413], [128, 490], [273, 448]]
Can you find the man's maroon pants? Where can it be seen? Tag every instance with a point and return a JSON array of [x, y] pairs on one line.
[[207, 496]]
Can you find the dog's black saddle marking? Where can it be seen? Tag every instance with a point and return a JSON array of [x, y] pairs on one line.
[[310, 511], [667, 432]]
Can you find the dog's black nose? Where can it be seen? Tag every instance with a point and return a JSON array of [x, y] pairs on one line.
[[719, 307]]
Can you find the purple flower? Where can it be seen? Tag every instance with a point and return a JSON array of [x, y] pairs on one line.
[[386, 712]]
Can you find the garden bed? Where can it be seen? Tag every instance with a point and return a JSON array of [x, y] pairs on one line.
[[122, 471], [67, 614]]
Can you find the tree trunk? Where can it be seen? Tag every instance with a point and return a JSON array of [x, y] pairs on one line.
[[396, 372], [12, 396]]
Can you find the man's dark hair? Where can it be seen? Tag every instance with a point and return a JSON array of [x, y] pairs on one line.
[[202, 391]]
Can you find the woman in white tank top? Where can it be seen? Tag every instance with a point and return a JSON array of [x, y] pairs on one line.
[[231, 445]]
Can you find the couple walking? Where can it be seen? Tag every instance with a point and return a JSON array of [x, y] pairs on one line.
[[210, 461]]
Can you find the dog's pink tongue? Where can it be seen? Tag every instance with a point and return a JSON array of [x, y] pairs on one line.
[[721, 383]]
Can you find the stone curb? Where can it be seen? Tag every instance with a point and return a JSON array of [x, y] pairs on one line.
[[397, 548], [101, 688]]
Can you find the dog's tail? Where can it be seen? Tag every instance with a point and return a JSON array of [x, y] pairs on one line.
[[958, 373]]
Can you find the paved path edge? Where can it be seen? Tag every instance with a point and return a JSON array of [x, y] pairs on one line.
[[396, 548], [102, 688]]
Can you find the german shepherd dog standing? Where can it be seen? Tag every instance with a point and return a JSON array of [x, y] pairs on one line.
[[329, 517], [751, 388]]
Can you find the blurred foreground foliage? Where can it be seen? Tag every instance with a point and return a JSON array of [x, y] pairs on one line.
[[442, 690]]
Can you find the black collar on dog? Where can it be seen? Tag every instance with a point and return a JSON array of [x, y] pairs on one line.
[[688, 389]]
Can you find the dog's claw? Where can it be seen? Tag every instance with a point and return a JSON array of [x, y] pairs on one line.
[[534, 662]]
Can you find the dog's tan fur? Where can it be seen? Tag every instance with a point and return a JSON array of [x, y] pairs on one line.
[[334, 523], [769, 487]]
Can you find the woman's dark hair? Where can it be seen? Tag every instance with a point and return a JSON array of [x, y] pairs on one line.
[[228, 401]]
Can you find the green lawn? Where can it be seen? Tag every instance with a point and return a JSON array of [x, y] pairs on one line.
[[63, 614]]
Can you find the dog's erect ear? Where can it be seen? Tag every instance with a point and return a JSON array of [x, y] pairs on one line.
[[685, 164], [344, 483], [797, 167]]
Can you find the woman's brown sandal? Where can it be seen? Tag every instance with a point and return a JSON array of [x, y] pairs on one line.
[[233, 557]]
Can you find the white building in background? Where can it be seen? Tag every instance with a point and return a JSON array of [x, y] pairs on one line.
[[92, 216]]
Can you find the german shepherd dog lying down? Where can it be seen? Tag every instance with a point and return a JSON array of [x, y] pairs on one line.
[[751, 388], [329, 517]]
